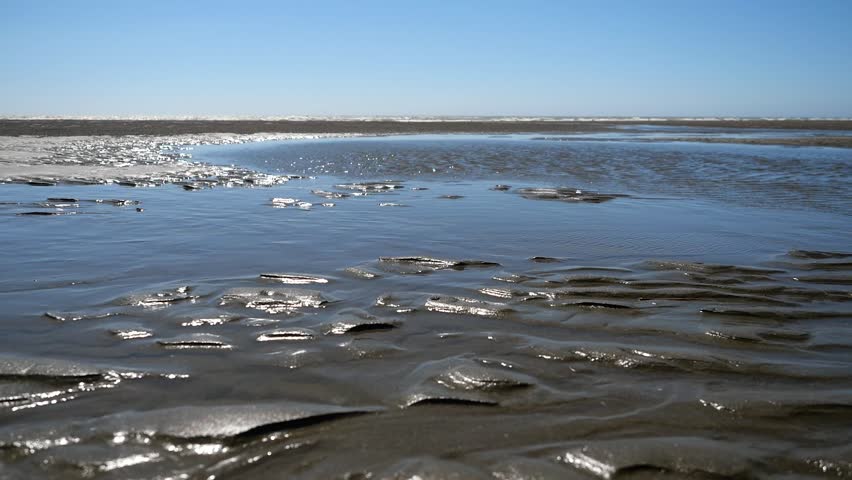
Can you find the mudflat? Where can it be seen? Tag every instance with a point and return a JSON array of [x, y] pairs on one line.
[[79, 127], [607, 303]]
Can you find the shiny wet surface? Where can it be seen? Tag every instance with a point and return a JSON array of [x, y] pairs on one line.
[[679, 311], [749, 175]]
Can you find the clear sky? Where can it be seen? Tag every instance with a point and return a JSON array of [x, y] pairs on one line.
[[362, 57]]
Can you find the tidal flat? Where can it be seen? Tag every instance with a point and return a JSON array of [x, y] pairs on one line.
[[612, 301]]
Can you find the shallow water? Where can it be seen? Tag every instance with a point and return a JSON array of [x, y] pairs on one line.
[[694, 324], [751, 175]]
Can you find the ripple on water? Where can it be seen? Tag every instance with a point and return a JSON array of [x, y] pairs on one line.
[[203, 341], [274, 301], [357, 321], [27, 383]]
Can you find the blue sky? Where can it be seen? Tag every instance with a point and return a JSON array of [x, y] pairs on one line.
[[640, 57]]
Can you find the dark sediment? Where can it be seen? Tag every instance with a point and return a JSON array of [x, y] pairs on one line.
[[810, 141], [68, 127]]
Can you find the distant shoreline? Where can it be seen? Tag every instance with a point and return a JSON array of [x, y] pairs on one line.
[[88, 127]]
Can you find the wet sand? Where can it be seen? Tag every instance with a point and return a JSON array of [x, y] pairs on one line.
[[452, 306], [132, 160], [9, 127]]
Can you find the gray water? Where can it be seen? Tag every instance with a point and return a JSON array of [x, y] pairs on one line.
[[677, 310]]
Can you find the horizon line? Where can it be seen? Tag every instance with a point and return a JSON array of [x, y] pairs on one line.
[[423, 118]]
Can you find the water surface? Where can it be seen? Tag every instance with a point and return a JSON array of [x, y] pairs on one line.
[[697, 326]]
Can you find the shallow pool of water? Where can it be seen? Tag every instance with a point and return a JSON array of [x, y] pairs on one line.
[[695, 323]]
